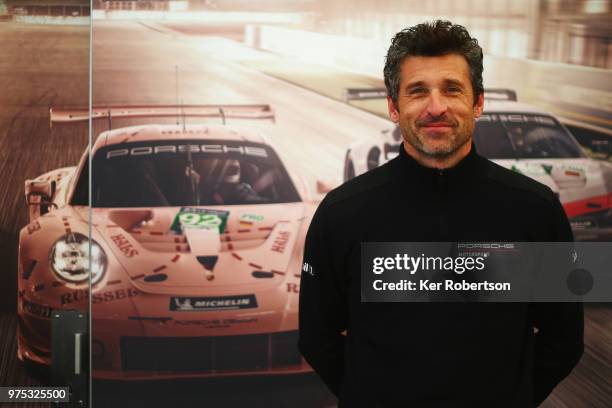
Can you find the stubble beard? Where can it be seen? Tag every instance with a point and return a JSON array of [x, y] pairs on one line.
[[457, 138]]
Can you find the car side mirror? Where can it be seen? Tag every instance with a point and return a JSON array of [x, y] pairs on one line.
[[601, 147], [39, 193]]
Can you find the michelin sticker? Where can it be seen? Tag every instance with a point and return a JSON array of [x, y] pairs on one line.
[[189, 217], [195, 304]]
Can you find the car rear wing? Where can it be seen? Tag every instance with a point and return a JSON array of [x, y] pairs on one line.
[[67, 115], [500, 94], [350, 94]]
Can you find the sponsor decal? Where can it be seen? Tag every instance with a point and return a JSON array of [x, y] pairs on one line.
[[99, 297], [215, 323], [280, 242], [251, 217], [74, 296], [158, 320], [206, 148], [36, 309], [247, 220], [102, 297], [124, 245], [293, 288], [198, 304], [189, 217]]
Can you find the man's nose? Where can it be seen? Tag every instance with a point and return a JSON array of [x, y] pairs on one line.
[[437, 104]]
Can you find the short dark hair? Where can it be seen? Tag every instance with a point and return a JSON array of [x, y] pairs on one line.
[[432, 39]]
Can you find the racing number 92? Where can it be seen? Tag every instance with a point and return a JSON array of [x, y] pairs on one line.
[[208, 221], [200, 218]]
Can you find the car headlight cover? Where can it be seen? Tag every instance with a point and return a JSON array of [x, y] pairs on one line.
[[70, 257]]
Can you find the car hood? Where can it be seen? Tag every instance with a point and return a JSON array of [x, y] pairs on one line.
[[254, 250]]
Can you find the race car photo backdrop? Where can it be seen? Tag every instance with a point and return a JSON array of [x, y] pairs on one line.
[[203, 263], [217, 129]]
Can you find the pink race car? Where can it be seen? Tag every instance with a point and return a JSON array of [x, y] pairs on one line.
[[195, 252]]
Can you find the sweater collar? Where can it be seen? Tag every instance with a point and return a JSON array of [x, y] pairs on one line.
[[460, 177], [467, 166]]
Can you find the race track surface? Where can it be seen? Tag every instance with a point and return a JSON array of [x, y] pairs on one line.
[[41, 66]]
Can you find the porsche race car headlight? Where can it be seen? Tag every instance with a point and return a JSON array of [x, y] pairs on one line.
[[70, 255]]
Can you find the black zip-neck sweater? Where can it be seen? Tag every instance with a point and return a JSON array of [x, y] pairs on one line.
[[433, 354]]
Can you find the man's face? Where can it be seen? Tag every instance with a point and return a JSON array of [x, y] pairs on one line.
[[435, 107]]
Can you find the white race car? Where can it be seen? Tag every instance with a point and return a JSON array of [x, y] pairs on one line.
[[197, 236], [527, 140]]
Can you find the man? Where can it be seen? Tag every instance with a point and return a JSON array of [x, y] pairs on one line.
[[437, 190], [233, 189]]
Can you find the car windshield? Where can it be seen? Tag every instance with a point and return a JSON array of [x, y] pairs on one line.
[[523, 136], [181, 173]]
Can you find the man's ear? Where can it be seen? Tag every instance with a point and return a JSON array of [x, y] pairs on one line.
[[393, 112], [479, 106]]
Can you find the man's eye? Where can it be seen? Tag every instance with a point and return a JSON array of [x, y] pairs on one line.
[[453, 89], [414, 91]]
